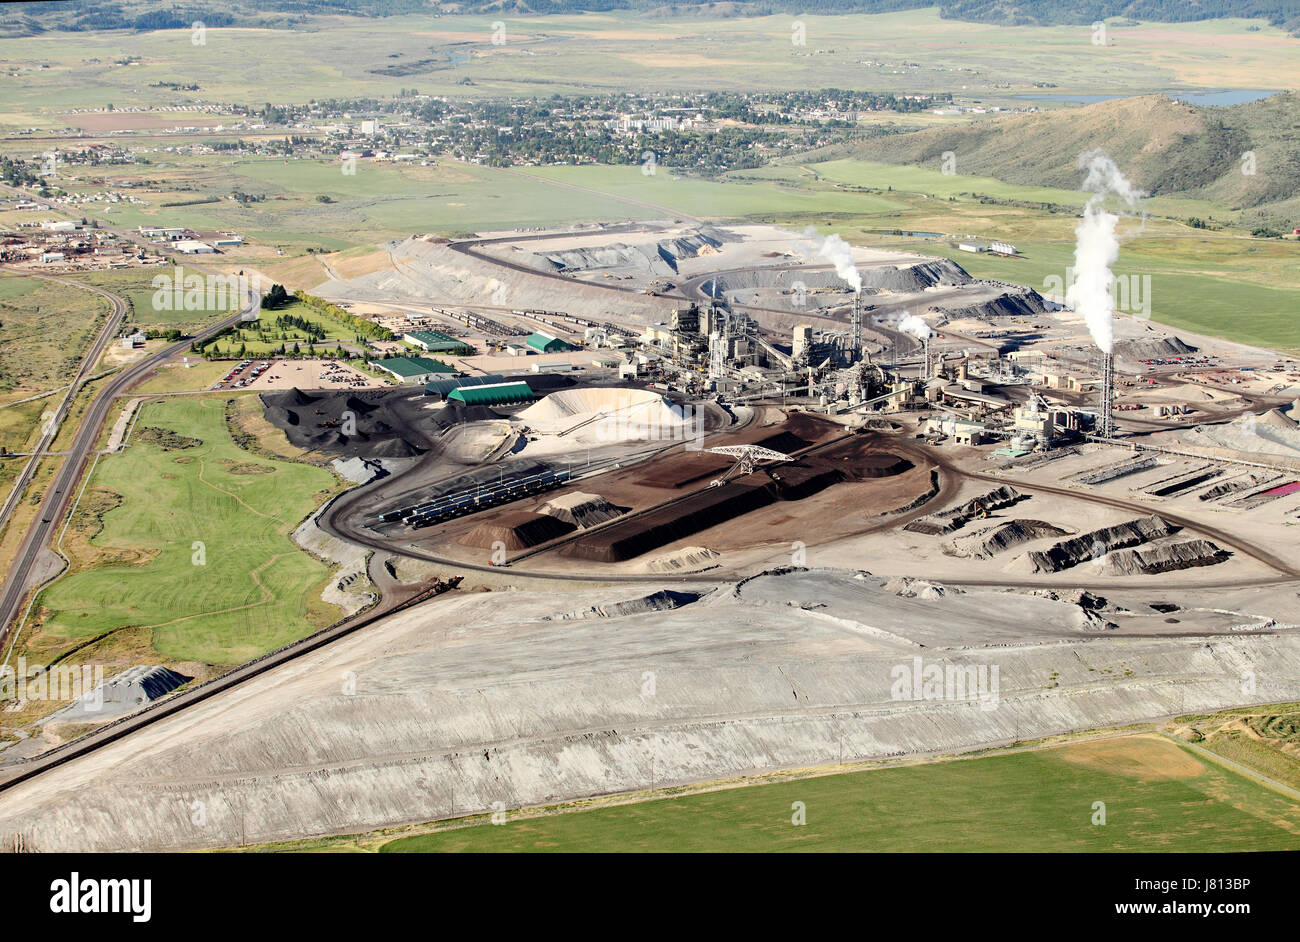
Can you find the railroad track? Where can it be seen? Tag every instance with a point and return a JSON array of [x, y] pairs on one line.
[[111, 732]]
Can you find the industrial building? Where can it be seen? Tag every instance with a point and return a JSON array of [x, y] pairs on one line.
[[497, 394], [440, 389], [412, 369], [547, 343], [435, 341], [193, 247], [162, 232]]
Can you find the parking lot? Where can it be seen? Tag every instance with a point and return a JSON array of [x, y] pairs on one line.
[[300, 374]]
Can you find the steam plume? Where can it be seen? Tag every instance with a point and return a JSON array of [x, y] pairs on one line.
[[838, 252], [1097, 247], [911, 324]]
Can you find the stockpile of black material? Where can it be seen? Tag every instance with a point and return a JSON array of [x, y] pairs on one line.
[[379, 423], [861, 459], [699, 511], [797, 481]]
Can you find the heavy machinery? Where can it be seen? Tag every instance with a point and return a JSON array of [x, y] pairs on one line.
[[747, 458]]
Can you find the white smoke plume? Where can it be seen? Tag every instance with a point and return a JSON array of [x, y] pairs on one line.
[[838, 252], [1097, 247], [911, 324]]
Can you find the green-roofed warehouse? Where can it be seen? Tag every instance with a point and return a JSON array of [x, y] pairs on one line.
[[412, 369], [435, 341], [497, 394], [547, 343]]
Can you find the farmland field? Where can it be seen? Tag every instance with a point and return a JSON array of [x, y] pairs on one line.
[[1158, 797], [595, 52]]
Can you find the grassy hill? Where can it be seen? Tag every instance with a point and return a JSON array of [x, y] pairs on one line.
[[1168, 148]]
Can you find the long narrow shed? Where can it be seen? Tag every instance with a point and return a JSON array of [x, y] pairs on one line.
[[498, 394]]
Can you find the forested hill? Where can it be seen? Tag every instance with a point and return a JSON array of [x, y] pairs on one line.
[[149, 14]]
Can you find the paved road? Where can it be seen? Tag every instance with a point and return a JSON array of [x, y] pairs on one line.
[[58, 496]]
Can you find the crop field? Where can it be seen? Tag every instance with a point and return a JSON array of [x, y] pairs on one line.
[[594, 52], [380, 201], [1158, 796], [201, 558]]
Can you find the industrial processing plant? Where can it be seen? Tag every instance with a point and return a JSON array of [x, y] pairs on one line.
[[605, 458]]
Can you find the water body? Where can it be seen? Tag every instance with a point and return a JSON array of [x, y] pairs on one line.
[[926, 235], [1232, 96]]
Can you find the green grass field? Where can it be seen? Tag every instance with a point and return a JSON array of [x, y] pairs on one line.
[[137, 286], [248, 589], [719, 199], [1157, 796]]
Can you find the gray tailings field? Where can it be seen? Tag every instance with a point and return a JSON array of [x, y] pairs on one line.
[[475, 699]]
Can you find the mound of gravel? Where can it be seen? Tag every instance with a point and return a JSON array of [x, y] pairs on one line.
[[1249, 481], [128, 691], [517, 530], [947, 521], [374, 424], [1249, 433], [1166, 557], [1152, 349], [654, 258], [908, 279], [914, 278], [661, 601], [1024, 303], [1094, 545], [580, 509], [686, 559], [910, 588], [988, 542]]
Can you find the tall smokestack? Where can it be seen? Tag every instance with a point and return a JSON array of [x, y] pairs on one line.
[[1106, 411], [855, 328]]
